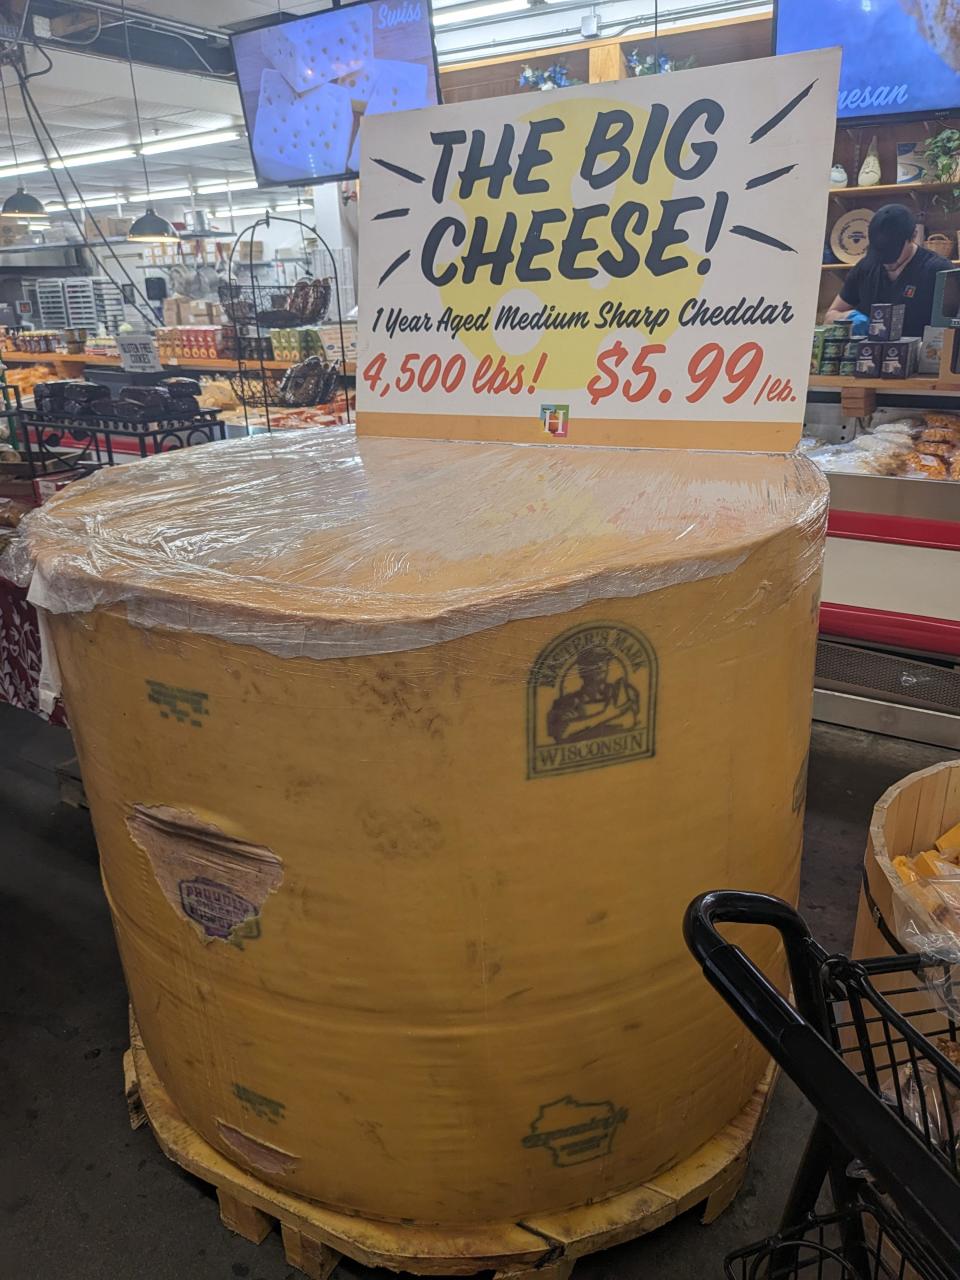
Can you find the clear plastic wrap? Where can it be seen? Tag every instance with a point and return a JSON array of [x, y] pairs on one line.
[[318, 544]]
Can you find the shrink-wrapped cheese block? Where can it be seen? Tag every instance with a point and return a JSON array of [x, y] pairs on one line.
[[405, 758]]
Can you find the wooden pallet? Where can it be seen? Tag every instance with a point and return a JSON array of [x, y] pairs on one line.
[[545, 1246]]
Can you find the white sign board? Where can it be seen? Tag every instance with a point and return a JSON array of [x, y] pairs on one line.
[[138, 353], [629, 263]]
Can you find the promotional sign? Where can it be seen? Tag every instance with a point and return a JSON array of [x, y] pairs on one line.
[[138, 353], [628, 263], [899, 56]]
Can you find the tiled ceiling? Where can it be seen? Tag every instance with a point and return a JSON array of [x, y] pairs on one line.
[[87, 104]]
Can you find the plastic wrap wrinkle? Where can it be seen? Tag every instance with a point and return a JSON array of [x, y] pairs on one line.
[[318, 545]]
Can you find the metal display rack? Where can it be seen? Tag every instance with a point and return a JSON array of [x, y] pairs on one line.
[[80, 446], [254, 291]]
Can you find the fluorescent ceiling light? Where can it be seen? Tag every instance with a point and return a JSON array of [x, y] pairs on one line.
[[32, 166], [96, 203], [56, 208], [164, 193], [38, 226], [93, 157], [213, 188], [441, 19], [188, 142], [242, 210]]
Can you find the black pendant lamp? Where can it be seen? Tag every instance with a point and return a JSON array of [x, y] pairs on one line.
[[150, 227], [21, 204]]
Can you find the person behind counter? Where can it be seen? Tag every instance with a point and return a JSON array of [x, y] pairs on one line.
[[894, 269]]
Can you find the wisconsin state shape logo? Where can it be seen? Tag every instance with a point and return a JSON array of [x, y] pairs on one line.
[[591, 700]]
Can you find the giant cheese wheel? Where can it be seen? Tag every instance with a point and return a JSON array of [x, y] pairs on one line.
[[405, 759]]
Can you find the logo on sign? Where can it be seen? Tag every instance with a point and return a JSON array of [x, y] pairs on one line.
[[574, 1132], [555, 418], [590, 700]]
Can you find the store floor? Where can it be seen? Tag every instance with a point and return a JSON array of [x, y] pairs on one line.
[[83, 1196]]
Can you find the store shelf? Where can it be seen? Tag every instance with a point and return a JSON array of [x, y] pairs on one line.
[[890, 386], [889, 188], [113, 362], [845, 266]]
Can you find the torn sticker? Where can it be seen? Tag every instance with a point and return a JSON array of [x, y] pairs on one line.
[[212, 879], [260, 1155]]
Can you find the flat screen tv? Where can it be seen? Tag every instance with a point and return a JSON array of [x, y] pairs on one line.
[[307, 84], [900, 57]]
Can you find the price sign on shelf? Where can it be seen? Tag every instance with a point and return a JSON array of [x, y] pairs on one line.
[[138, 353], [634, 263]]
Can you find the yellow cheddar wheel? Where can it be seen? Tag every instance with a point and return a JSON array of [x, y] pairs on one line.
[[405, 759]]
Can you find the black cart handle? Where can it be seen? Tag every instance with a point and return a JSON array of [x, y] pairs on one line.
[[925, 1191], [758, 1003]]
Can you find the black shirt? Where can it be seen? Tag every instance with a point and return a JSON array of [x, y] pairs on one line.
[[866, 284]]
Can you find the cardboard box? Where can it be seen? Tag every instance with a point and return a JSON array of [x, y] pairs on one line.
[[869, 358], [899, 358], [886, 321], [110, 225]]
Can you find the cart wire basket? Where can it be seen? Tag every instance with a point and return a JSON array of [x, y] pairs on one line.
[[881, 1070]]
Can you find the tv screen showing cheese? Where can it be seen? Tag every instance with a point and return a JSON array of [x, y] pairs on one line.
[[900, 57], [307, 84]]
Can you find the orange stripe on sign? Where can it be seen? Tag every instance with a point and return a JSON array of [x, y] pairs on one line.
[[649, 433]]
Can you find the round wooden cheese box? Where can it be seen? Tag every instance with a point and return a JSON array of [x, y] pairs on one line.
[[405, 759]]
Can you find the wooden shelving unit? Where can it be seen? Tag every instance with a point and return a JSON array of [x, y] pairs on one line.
[[71, 363], [893, 188], [932, 386], [845, 266]]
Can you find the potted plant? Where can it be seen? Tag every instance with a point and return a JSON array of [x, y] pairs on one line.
[[556, 76], [943, 156], [641, 64]]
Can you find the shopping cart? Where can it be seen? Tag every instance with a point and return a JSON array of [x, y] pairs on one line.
[[877, 1068]]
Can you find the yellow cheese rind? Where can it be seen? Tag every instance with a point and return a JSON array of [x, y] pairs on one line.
[[949, 842]]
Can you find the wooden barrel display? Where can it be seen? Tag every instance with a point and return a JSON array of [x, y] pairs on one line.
[[405, 759]]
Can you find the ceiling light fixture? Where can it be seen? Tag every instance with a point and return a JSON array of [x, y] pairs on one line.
[[166, 193], [189, 142], [21, 204], [214, 188], [93, 157], [96, 202], [149, 228], [16, 170]]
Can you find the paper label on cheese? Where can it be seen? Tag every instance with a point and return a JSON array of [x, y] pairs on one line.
[[591, 699]]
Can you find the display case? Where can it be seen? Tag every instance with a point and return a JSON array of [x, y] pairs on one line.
[[889, 653]]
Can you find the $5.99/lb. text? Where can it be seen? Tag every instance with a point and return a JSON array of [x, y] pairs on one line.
[[634, 377]]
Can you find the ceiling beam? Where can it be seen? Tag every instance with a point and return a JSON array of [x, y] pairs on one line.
[[154, 41]]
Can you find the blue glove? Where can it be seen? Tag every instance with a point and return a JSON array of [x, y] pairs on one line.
[[860, 326]]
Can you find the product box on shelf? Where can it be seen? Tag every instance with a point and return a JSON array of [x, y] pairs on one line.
[[816, 354], [330, 340], [931, 349], [190, 342], [886, 321], [900, 358], [869, 358]]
